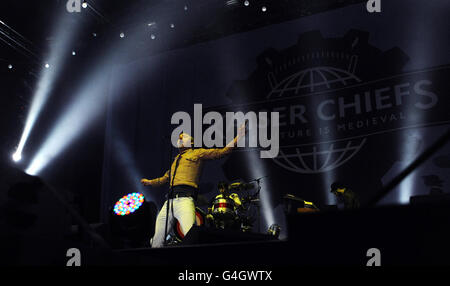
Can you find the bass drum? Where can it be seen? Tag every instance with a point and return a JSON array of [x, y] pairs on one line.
[[199, 221], [223, 209]]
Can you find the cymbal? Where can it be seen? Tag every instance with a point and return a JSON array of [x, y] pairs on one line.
[[251, 201], [241, 186], [292, 197]]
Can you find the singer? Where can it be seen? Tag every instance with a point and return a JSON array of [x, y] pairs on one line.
[[184, 176]]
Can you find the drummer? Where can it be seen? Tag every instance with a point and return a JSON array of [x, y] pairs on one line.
[[224, 193]]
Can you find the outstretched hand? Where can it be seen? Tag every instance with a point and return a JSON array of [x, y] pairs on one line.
[[240, 134], [145, 182], [241, 130]]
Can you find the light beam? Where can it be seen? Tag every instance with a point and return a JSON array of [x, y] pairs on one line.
[[48, 78]]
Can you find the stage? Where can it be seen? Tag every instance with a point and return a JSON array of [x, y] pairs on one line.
[[263, 135]]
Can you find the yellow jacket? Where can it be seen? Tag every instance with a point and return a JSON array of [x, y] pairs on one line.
[[190, 166]]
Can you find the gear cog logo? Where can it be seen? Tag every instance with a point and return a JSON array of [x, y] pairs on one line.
[[305, 71]]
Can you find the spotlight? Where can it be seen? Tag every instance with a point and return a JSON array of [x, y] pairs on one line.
[[153, 36], [49, 75], [172, 25], [264, 9], [122, 35], [84, 5], [274, 230], [128, 204], [185, 7], [94, 34], [131, 220], [10, 67], [151, 24], [16, 157], [246, 3], [73, 53]]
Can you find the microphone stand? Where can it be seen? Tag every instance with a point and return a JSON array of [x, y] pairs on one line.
[[169, 193], [258, 180], [259, 207]]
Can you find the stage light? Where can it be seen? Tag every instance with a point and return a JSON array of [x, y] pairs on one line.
[[411, 146], [124, 157], [128, 204], [84, 5], [246, 3], [274, 230], [264, 9], [76, 117], [151, 24], [87, 102], [258, 169], [16, 157], [131, 221], [185, 7], [153, 36], [47, 77], [10, 67], [73, 53], [122, 35], [172, 25], [85, 107]]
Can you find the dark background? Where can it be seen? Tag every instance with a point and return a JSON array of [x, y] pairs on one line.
[[233, 70], [37, 23], [199, 63]]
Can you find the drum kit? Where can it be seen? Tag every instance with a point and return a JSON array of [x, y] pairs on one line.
[[233, 208], [229, 210]]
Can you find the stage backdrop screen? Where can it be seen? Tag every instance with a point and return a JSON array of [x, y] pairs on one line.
[[359, 96]]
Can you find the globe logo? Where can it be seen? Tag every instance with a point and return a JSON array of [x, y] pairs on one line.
[[323, 157], [312, 80]]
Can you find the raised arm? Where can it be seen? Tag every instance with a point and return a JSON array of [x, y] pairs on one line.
[[217, 153], [156, 182]]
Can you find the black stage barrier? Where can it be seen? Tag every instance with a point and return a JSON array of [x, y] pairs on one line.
[[404, 235], [36, 220], [203, 235], [34, 224]]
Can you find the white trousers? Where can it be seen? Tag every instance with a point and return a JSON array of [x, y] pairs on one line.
[[183, 211]]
